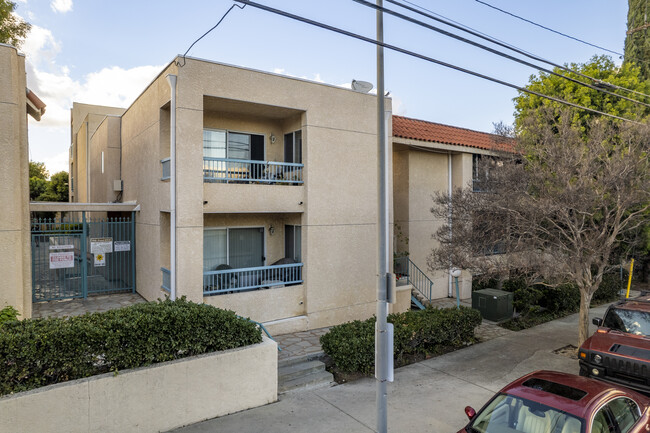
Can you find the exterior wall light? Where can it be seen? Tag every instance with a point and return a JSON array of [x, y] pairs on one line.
[[271, 230], [272, 138]]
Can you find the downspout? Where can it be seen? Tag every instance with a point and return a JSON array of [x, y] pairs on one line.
[[87, 164], [450, 290], [172, 185]]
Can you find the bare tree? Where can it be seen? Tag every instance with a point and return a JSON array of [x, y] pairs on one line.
[[553, 208]]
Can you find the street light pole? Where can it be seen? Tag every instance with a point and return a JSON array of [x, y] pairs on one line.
[[383, 360]]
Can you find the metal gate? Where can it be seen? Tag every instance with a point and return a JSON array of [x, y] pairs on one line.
[[75, 258]]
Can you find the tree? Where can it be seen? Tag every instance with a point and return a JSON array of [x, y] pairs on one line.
[[599, 67], [38, 175], [558, 205], [57, 188], [13, 30], [637, 41]]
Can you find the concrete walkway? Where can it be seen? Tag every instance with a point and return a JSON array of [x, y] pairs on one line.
[[77, 307], [428, 396]]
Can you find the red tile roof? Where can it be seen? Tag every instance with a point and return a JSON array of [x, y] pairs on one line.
[[422, 130]]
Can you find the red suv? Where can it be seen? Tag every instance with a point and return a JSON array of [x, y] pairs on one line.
[[552, 402], [619, 351]]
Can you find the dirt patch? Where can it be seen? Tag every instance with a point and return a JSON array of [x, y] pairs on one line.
[[570, 351]]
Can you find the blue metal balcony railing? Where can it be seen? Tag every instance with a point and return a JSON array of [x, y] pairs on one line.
[[166, 280], [245, 279], [248, 171]]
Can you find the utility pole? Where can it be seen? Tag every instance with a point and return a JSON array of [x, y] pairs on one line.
[[383, 330]]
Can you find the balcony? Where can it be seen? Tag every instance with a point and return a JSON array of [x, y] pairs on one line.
[[248, 171], [247, 279], [249, 186]]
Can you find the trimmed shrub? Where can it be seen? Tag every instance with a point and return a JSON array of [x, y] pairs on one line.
[[39, 352], [8, 314], [352, 345]]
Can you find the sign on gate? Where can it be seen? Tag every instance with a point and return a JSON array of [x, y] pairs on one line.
[[100, 260], [62, 260], [122, 246], [101, 245]]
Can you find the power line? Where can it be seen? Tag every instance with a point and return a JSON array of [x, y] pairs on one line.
[[548, 28], [423, 57], [495, 41], [204, 34], [494, 51]]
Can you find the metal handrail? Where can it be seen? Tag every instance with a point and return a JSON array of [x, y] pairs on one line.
[[245, 170], [263, 329], [418, 279]]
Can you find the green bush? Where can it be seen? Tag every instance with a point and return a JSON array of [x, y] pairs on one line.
[[39, 352], [608, 289], [526, 299], [8, 314], [563, 298], [352, 345]]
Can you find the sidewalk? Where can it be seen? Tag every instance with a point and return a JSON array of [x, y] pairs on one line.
[[428, 396]]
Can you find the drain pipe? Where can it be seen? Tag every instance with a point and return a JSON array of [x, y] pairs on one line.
[[450, 290], [172, 185]]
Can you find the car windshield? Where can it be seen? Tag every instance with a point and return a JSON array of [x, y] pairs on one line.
[[510, 414], [630, 321]]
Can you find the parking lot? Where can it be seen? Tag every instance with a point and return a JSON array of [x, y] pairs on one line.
[[428, 396]]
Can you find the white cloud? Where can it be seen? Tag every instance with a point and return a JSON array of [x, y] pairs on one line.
[[61, 6], [281, 71], [114, 86]]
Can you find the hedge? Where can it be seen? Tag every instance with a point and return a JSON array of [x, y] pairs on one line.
[[351, 346], [39, 352]]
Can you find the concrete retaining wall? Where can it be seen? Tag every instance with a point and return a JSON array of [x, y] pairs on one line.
[[149, 399]]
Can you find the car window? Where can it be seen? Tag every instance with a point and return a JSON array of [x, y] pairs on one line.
[[629, 321], [508, 413], [625, 412], [601, 423]]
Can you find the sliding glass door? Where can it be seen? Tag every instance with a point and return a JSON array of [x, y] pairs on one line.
[[237, 247]]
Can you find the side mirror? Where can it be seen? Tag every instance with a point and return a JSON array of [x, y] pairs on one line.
[[470, 412], [597, 321]]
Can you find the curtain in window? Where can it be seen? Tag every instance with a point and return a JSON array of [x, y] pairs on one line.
[[246, 247], [215, 249]]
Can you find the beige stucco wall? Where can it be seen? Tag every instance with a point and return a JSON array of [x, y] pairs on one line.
[[418, 174], [150, 399], [105, 140], [336, 207], [15, 253], [84, 167]]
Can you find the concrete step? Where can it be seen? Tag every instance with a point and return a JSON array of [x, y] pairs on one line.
[[310, 381], [293, 371]]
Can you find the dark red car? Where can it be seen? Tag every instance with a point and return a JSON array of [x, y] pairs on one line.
[[619, 351], [553, 402]]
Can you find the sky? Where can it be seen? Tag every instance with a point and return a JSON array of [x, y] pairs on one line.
[[107, 52]]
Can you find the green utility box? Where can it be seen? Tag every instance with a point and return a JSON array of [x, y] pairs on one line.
[[494, 305]]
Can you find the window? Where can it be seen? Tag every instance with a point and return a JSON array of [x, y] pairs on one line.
[[621, 412], [232, 145], [237, 248], [292, 240], [293, 147], [482, 166]]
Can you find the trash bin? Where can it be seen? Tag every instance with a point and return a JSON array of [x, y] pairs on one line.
[[494, 305]]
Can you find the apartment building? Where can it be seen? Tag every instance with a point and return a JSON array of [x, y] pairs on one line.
[[430, 157], [276, 191]]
